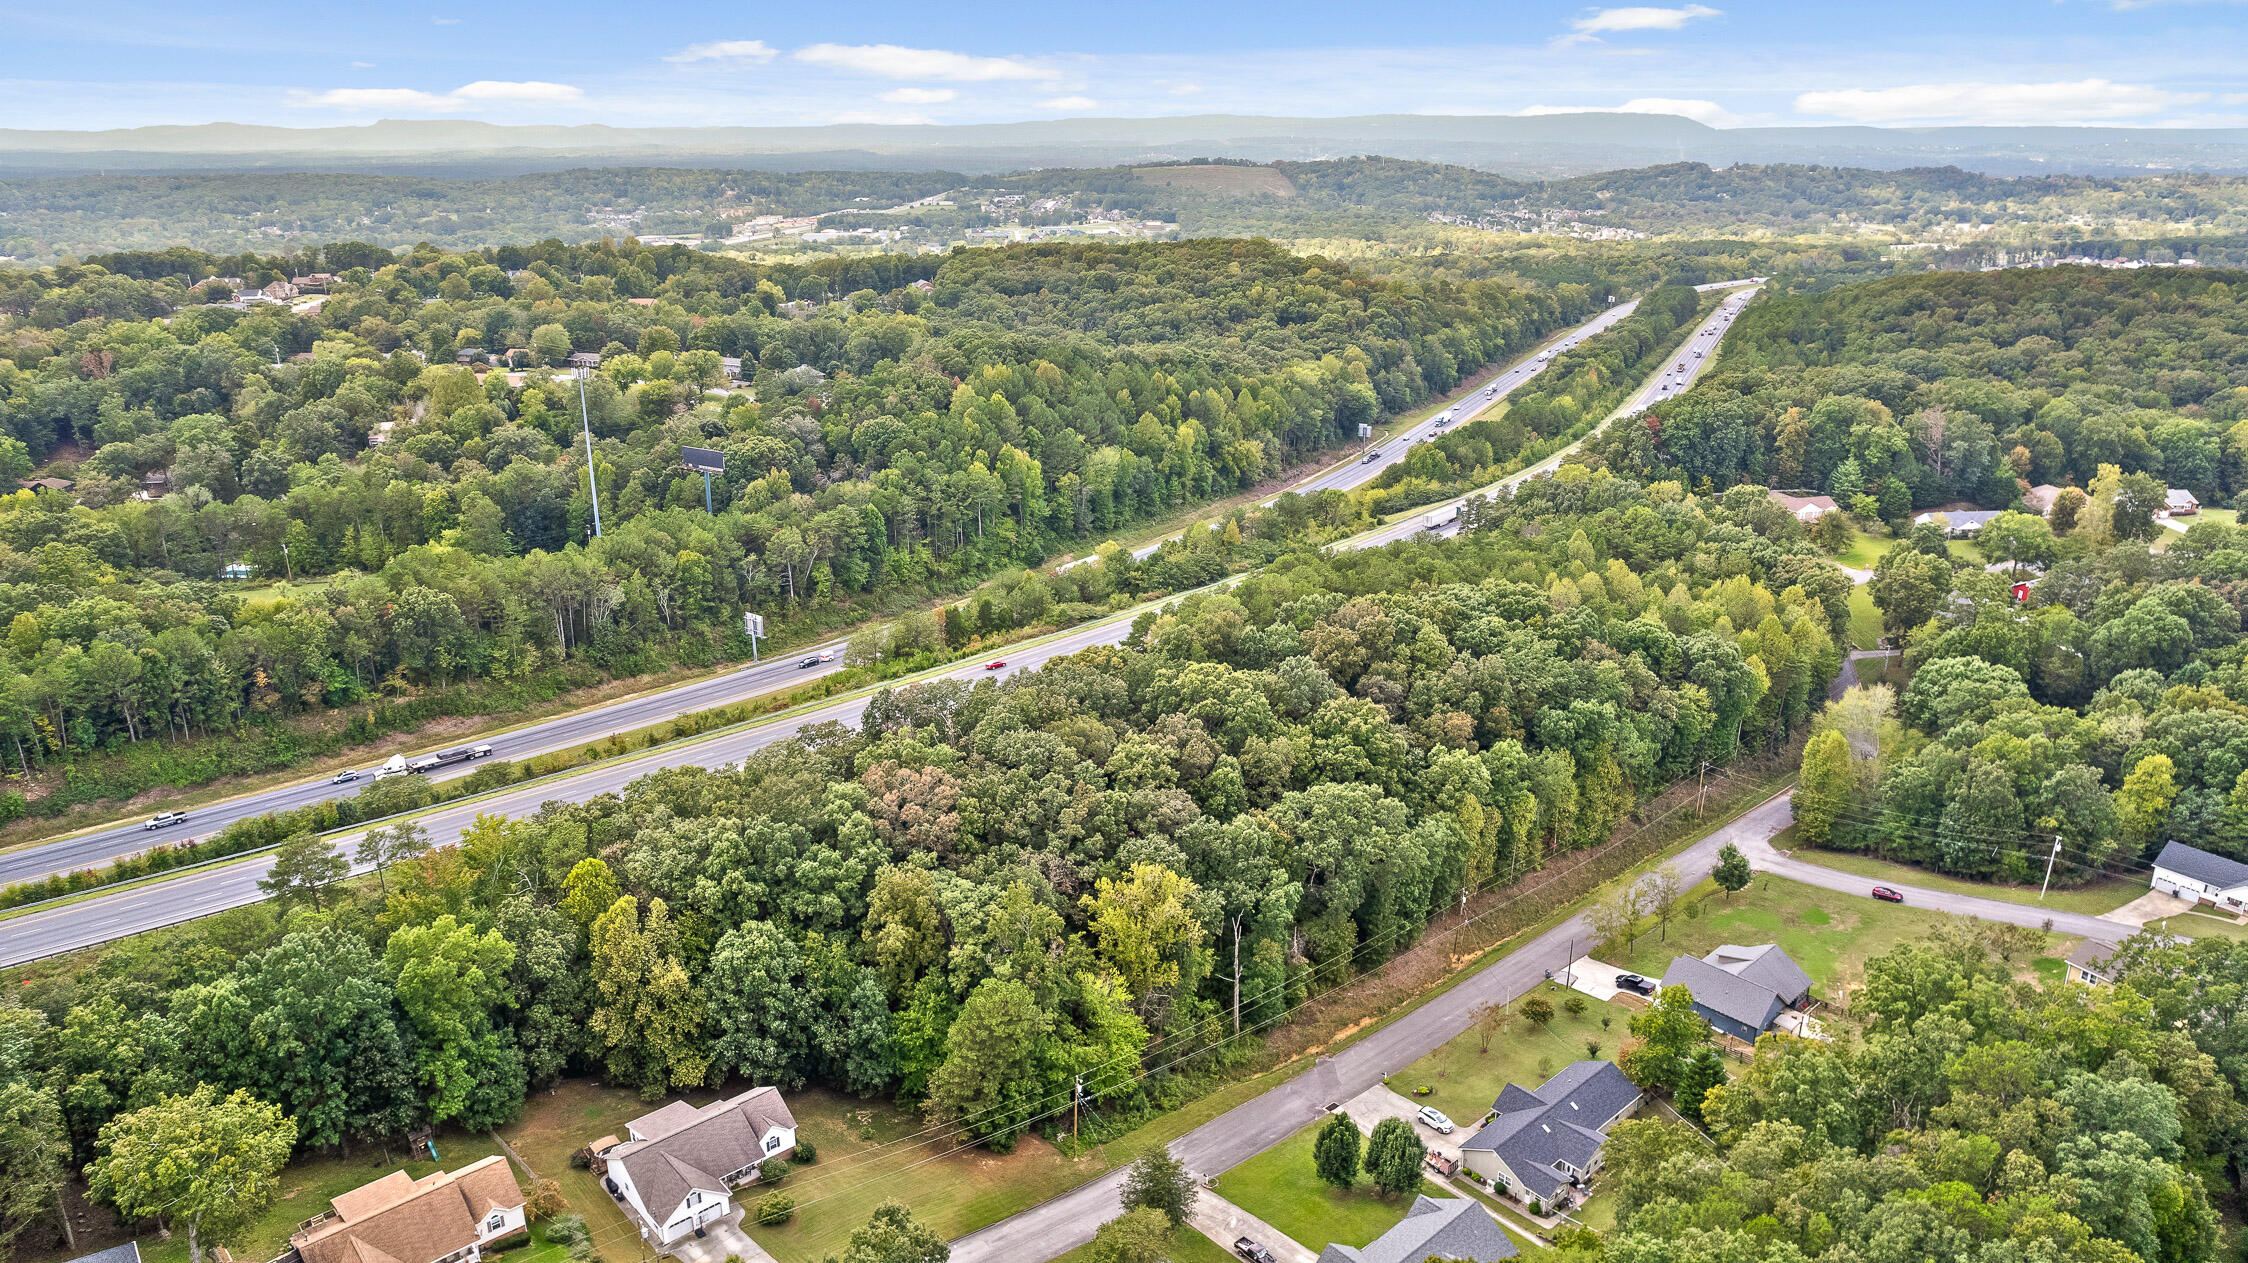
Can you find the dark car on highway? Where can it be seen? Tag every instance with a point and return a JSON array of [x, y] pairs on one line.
[[1887, 895]]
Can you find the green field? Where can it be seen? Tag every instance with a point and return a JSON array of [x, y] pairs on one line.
[[1280, 1187], [2098, 899], [1187, 1246], [1830, 934], [1464, 1079], [1865, 618], [1865, 551]]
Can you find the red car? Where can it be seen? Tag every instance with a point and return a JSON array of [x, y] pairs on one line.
[[1887, 895], [994, 666]]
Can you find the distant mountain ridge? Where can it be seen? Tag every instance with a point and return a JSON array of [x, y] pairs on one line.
[[1535, 146]]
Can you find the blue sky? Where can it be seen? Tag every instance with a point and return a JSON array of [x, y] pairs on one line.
[[126, 63]]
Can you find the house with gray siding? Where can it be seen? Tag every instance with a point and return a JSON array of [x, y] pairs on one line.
[[1741, 990], [1541, 1144]]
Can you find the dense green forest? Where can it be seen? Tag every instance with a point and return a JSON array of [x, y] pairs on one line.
[[1980, 1118], [903, 427], [988, 889], [1924, 390], [2107, 708]]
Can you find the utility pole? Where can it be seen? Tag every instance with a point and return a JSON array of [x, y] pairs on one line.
[[1701, 789], [2049, 868], [1237, 973], [585, 420], [1076, 1094]]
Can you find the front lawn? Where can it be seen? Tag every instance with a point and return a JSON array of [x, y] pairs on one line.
[[1280, 1187], [1187, 1246], [1465, 1078], [1865, 551], [2097, 899], [1830, 934], [1865, 618], [308, 1184]]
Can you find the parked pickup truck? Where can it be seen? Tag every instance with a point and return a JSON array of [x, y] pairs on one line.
[[1252, 1251], [459, 754]]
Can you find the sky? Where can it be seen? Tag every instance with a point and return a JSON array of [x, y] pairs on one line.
[[127, 63]]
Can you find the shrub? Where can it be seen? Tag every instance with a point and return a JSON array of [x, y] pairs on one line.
[[806, 1153], [775, 1208], [1574, 1005]]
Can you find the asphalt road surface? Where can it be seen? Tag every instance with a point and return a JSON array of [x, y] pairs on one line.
[[1062, 1224], [201, 892], [563, 732], [1674, 376], [86, 922]]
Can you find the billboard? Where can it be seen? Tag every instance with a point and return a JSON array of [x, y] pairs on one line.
[[703, 460]]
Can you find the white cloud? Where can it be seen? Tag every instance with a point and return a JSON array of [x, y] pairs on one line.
[[1635, 18], [919, 96], [755, 50], [1706, 112], [526, 90], [1074, 103], [890, 61], [2080, 101], [362, 65], [416, 101], [1186, 89]]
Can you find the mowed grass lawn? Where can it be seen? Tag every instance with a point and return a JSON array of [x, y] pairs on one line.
[[1465, 1078], [1280, 1187], [1865, 619], [1187, 1246], [1830, 934], [1865, 551], [307, 1186], [2097, 899]]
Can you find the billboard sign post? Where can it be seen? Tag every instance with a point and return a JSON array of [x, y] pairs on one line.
[[754, 624], [705, 461]]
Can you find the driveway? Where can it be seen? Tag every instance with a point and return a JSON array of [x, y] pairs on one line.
[[1382, 1101], [721, 1239], [1223, 1222], [1597, 979], [2151, 906]]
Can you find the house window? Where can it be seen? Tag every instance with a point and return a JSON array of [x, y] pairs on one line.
[[498, 1221], [772, 1143], [694, 1199]]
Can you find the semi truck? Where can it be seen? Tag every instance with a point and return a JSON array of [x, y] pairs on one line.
[[461, 754]]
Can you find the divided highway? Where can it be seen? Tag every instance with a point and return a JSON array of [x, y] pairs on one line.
[[201, 892], [99, 846]]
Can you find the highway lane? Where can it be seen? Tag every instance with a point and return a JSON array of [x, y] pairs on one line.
[[86, 922], [68, 927], [1674, 376], [1066, 1222], [563, 732]]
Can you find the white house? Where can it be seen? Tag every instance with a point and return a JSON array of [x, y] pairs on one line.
[[677, 1168], [2193, 873], [444, 1217], [1805, 509]]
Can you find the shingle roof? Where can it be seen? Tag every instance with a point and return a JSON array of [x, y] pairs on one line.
[[1560, 1122], [397, 1219], [126, 1253], [1453, 1228], [1720, 991], [683, 1148], [1764, 964], [2201, 865]]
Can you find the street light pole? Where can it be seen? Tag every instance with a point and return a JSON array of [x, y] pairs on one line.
[[593, 485]]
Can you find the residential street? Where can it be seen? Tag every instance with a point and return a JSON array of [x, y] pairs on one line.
[[1066, 1222]]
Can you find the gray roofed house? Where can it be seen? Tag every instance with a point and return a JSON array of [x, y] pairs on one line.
[[679, 1166], [1741, 990], [2192, 873], [1541, 1143], [126, 1253], [1448, 1228], [1958, 522]]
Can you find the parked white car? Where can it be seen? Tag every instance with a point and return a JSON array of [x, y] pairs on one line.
[[1434, 1117]]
